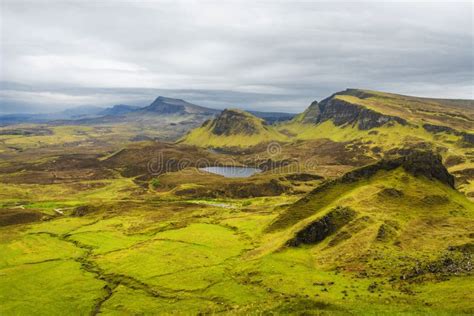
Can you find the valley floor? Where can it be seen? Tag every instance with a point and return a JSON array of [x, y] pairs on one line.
[[188, 257], [88, 227]]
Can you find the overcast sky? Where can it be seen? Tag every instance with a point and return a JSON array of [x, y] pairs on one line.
[[267, 55]]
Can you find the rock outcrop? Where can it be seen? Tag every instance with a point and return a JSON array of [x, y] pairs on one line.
[[342, 112], [439, 129], [236, 122], [418, 163], [465, 137], [323, 227], [468, 138], [425, 163]]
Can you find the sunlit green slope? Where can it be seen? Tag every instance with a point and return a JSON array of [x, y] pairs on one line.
[[233, 128], [399, 219], [382, 122]]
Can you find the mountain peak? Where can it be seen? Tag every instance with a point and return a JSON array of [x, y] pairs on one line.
[[367, 109], [169, 100], [233, 128], [347, 108], [119, 109], [169, 106], [234, 122]]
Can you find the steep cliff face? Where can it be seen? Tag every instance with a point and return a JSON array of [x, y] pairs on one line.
[[342, 112], [235, 122], [312, 113], [233, 128]]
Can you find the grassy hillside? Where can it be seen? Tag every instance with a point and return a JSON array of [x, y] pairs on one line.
[[369, 122], [399, 228], [458, 114], [381, 122], [233, 128]]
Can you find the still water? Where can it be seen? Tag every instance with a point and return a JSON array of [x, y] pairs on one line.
[[232, 172]]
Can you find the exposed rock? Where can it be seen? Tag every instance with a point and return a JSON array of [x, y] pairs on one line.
[[454, 160], [376, 149], [390, 192], [387, 231], [235, 122], [464, 248], [303, 177], [312, 113], [439, 129], [424, 163], [435, 199], [237, 190], [468, 138], [464, 176], [372, 287], [418, 163], [245, 190], [340, 237], [318, 230], [342, 112], [82, 211], [457, 260]]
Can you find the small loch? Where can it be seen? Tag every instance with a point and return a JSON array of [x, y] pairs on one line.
[[232, 172]]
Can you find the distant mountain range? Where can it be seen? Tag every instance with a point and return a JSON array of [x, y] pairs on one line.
[[161, 106], [76, 113], [119, 109]]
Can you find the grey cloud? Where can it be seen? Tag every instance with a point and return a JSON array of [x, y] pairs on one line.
[[277, 55]]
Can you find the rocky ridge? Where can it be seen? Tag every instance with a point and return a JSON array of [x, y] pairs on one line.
[[342, 112]]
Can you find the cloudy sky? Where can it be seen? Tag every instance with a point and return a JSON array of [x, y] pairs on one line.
[[267, 55]]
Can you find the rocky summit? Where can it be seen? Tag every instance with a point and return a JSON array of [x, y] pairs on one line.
[[164, 105], [235, 122]]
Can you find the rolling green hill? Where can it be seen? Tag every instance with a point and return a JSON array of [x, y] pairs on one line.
[[233, 128], [398, 221]]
